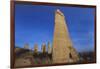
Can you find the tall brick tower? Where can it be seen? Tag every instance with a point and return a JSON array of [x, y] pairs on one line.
[[63, 51]]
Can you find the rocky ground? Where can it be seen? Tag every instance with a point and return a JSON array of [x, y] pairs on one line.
[[25, 57]]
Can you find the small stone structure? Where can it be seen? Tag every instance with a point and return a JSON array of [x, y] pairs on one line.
[[43, 49], [49, 48], [35, 48], [26, 46]]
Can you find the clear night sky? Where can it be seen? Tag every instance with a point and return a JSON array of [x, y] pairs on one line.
[[35, 24]]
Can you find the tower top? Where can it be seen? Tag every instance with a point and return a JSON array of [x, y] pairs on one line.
[[59, 12]]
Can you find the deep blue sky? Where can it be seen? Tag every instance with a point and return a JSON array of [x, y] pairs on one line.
[[35, 24]]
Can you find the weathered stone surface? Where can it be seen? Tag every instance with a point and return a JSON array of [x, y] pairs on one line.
[[22, 62], [61, 41]]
